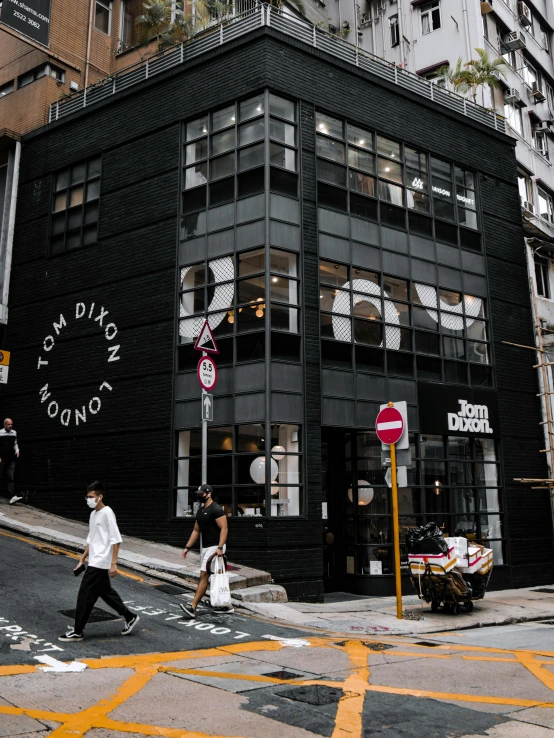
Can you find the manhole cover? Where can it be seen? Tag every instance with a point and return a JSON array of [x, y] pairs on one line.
[[170, 589], [427, 643], [378, 646], [547, 590], [283, 675], [97, 615], [314, 694]]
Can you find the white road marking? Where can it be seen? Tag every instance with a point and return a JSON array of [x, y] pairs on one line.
[[289, 642], [59, 666]]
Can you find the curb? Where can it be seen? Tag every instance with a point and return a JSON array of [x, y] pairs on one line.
[[151, 567]]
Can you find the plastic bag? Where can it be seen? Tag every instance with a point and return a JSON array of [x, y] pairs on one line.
[[220, 592], [426, 540]]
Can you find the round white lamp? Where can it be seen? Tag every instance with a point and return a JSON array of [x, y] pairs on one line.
[[257, 470], [278, 452], [365, 493]]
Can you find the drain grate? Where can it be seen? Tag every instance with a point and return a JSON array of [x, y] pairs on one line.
[[427, 643], [283, 675], [378, 646], [170, 589], [97, 615], [314, 694], [546, 590], [546, 622]]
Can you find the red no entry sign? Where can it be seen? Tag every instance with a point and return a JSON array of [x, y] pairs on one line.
[[389, 425]]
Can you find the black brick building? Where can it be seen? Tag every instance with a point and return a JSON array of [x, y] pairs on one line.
[[353, 243]]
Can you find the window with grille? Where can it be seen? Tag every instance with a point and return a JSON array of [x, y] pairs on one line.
[[75, 204]]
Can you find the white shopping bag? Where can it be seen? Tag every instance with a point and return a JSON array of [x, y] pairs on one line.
[[220, 593]]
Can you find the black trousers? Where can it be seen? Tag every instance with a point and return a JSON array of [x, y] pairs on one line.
[[97, 583], [8, 472]]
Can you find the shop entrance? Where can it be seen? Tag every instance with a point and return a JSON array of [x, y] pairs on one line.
[[334, 482]]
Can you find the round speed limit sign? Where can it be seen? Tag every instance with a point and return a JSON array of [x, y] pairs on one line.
[[207, 373]]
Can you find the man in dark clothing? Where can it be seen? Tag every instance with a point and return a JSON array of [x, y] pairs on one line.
[[9, 452], [211, 525]]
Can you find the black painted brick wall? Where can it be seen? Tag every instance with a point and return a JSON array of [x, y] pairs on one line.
[[131, 271]]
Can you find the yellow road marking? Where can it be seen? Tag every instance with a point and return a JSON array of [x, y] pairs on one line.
[[486, 699], [47, 546], [348, 721]]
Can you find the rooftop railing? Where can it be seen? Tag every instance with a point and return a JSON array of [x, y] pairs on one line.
[[266, 15]]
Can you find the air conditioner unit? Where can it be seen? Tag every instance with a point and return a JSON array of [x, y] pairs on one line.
[[528, 208], [365, 19], [512, 96], [542, 125], [486, 7], [537, 93], [524, 14], [516, 40]]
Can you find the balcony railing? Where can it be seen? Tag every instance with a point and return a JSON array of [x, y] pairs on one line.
[[266, 15]]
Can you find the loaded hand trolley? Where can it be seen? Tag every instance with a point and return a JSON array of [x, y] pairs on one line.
[[449, 572]]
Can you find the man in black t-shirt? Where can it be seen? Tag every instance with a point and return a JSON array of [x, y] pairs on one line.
[[211, 526]]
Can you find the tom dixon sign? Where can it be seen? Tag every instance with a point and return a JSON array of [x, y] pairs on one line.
[[30, 17], [466, 411]]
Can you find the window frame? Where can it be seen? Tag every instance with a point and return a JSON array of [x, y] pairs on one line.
[[542, 275], [394, 30], [106, 5], [427, 15], [69, 210]]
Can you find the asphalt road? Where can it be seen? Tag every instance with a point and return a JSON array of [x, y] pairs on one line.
[[235, 675], [38, 592]]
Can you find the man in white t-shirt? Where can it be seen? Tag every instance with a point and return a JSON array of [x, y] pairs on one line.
[[102, 549]]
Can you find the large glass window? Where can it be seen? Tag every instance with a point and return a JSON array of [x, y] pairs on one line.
[[232, 292], [372, 168], [226, 154], [388, 320], [453, 481], [239, 458], [75, 205]]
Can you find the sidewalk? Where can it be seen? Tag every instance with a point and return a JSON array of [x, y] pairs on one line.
[[357, 615], [153, 559], [251, 588]]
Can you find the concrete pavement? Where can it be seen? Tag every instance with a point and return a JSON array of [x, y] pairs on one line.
[[152, 559]]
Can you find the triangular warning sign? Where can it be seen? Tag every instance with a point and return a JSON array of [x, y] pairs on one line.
[[206, 341]]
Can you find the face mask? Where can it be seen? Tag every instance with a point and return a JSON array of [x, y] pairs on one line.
[[92, 502]]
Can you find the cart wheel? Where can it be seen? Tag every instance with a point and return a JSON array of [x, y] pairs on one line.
[[456, 608], [469, 606], [435, 604]]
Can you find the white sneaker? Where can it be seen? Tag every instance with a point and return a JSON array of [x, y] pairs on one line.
[[15, 499]]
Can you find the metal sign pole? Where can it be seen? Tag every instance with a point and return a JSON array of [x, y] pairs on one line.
[[204, 437], [396, 532]]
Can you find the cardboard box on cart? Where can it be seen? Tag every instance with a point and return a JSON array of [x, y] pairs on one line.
[[439, 563]]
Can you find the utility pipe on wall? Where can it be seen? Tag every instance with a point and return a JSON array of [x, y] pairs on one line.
[[6, 237], [89, 39]]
